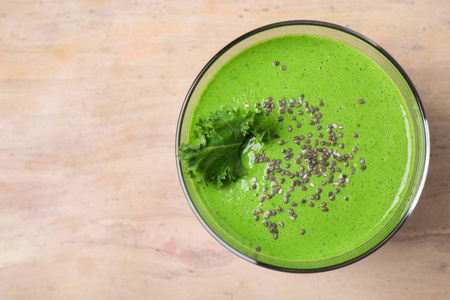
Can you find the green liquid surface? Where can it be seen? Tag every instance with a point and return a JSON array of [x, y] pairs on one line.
[[339, 75]]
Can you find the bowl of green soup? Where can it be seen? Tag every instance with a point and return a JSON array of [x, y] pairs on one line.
[[302, 146]]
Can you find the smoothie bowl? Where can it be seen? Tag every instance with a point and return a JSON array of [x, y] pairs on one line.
[[302, 146]]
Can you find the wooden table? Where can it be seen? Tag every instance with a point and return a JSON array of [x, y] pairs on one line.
[[91, 205]]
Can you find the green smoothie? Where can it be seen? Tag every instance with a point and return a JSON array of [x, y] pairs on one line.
[[322, 188]]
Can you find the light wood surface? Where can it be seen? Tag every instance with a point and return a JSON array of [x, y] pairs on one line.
[[90, 93]]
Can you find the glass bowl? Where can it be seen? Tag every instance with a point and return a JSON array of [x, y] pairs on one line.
[[419, 130]]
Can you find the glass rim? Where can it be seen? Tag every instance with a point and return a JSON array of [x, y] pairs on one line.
[[367, 41]]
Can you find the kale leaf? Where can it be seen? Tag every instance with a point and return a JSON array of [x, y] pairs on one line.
[[223, 134]]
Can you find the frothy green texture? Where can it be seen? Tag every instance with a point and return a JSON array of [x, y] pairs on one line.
[[339, 75]]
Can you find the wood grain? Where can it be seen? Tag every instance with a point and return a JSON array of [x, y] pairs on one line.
[[91, 206]]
